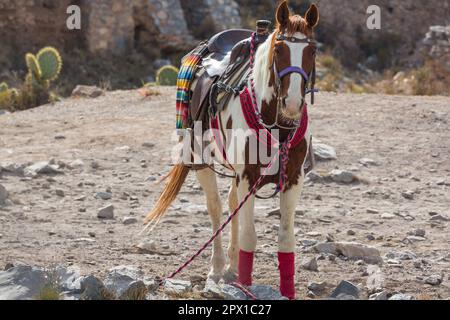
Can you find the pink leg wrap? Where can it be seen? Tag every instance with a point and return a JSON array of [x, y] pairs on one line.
[[245, 267], [287, 274]]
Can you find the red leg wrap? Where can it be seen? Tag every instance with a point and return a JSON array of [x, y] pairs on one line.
[[245, 267], [287, 274]]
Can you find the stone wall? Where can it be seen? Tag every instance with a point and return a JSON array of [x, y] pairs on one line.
[[164, 27], [403, 24], [27, 25]]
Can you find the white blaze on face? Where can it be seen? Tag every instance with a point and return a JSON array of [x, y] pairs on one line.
[[294, 99]]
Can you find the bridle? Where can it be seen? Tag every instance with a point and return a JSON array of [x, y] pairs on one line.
[[310, 80]]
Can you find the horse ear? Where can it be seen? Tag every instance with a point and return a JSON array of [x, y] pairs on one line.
[[312, 16], [283, 15]]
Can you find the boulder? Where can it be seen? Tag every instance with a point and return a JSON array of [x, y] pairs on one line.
[[346, 291], [126, 283], [350, 250], [324, 152], [81, 91], [22, 282], [106, 212], [93, 289], [177, 287], [41, 168], [341, 176]]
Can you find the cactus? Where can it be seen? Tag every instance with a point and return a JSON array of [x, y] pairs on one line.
[[167, 76], [43, 68], [3, 87], [50, 63], [33, 66]]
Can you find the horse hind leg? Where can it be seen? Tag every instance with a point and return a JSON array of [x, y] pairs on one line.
[[208, 182], [233, 247]]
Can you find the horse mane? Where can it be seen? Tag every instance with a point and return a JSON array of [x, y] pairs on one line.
[[263, 64], [296, 24]]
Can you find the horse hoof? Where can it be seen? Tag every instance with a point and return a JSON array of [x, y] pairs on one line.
[[230, 277], [215, 277]]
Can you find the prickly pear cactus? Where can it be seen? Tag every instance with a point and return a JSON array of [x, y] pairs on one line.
[[3, 87], [33, 66], [50, 63], [167, 76]]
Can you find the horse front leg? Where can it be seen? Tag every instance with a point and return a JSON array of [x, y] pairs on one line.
[[233, 247], [286, 240], [208, 182], [247, 235]]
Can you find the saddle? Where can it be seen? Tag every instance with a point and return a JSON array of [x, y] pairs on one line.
[[223, 55]]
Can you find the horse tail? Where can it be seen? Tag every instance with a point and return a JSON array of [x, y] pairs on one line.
[[176, 178]]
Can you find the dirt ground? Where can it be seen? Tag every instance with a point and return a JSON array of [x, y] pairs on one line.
[[124, 142]]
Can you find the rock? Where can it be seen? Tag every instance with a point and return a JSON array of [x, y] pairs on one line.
[[401, 255], [60, 137], [212, 291], [368, 162], [439, 217], [41, 168], [351, 233], [434, 280], [106, 212], [401, 296], [69, 279], [76, 164], [345, 290], [123, 149], [417, 233], [380, 296], [22, 282], [126, 283], [3, 195], [266, 293], [350, 250], [387, 216], [413, 239], [177, 287], [375, 280], [147, 245], [60, 193], [12, 169], [149, 145], [103, 195], [373, 211], [129, 220], [314, 177], [324, 152], [409, 195], [308, 242], [232, 293], [341, 176], [310, 265], [317, 287], [93, 289], [81, 91]]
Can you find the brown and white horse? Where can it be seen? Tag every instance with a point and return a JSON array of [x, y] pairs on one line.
[[280, 98]]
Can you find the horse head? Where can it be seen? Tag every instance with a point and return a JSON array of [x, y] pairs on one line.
[[293, 55]]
